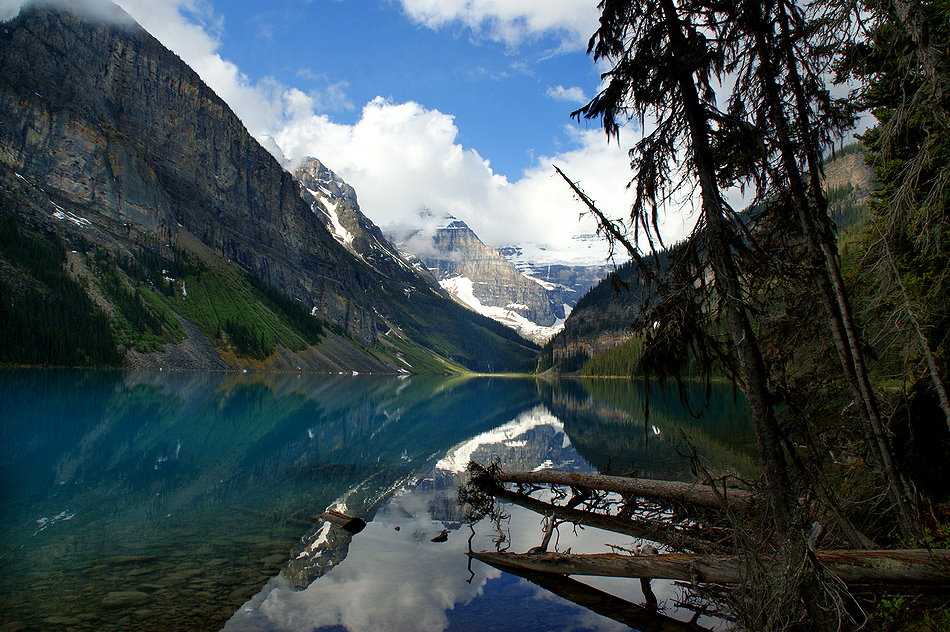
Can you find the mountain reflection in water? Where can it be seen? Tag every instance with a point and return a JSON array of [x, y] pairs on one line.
[[175, 501]]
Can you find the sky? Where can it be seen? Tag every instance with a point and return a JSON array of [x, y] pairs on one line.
[[455, 106]]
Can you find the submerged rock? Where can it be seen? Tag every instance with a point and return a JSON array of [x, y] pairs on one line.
[[125, 599]]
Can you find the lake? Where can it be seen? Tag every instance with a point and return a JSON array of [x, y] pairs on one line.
[[187, 501]]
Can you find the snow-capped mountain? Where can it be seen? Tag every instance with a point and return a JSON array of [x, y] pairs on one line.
[[334, 202], [534, 300], [582, 250], [572, 275], [133, 166]]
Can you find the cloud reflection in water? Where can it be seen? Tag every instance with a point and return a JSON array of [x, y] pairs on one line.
[[400, 581], [390, 580]]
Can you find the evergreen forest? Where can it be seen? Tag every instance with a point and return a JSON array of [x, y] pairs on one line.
[[829, 316]]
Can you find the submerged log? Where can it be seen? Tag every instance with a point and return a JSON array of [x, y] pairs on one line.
[[905, 566], [694, 493]]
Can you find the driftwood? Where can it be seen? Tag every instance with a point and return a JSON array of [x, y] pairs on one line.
[[695, 493], [345, 522], [631, 614], [642, 529], [907, 566]]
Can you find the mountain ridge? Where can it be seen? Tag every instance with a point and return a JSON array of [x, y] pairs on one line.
[[125, 150], [532, 299]]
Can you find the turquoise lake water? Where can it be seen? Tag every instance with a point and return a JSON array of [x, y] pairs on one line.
[[186, 501]]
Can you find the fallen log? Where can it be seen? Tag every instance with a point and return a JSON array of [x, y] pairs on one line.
[[636, 616], [695, 493], [636, 528], [874, 567]]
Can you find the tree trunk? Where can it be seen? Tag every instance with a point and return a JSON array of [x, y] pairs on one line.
[[754, 376], [753, 371], [643, 529], [819, 239], [875, 567], [693, 493], [925, 349], [900, 489]]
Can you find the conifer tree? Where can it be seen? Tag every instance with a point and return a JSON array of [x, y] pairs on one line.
[[780, 86], [665, 67]]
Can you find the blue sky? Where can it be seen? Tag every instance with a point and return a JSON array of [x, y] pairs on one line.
[[351, 52]]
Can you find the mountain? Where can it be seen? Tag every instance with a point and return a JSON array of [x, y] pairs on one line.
[[501, 284], [186, 236], [335, 203], [480, 278], [567, 278], [603, 319]]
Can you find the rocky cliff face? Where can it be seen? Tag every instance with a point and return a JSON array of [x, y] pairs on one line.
[[128, 131], [577, 270], [494, 280], [479, 277], [566, 282], [334, 202], [119, 132], [504, 284]]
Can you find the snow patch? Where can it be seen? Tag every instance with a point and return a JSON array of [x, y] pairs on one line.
[[461, 289], [583, 250], [545, 284], [339, 232], [65, 215]]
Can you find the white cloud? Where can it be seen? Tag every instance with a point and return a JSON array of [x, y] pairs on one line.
[[511, 21], [403, 158], [573, 94], [101, 10]]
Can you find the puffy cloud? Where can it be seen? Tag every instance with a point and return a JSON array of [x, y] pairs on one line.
[[511, 21], [573, 94], [403, 158], [400, 157]]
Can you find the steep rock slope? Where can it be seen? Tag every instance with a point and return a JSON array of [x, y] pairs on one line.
[[570, 280], [134, 153], [481, 278], [334, 202]]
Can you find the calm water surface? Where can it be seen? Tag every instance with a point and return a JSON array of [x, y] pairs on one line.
[[180, 501]]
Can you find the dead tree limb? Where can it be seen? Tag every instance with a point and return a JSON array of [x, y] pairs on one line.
[[643, 529], [634, 615], [694, 493]]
